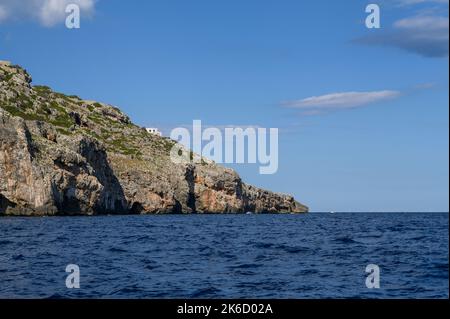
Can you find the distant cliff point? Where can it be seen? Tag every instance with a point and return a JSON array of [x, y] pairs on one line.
[[62, 155]]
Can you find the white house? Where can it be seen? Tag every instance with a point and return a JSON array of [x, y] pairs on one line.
[[153, 130]]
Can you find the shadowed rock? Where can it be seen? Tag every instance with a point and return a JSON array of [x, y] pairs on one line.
[[64, 155]]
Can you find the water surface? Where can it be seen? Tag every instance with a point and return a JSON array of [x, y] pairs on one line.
[[226, 256]]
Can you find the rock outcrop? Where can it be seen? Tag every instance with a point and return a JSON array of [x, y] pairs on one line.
[[61, 155]]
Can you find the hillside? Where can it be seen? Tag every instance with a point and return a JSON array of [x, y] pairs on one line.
[[62, 155]]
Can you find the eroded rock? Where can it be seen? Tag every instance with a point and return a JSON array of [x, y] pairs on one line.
[[63, 155]]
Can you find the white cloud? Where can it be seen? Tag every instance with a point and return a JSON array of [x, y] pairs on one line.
[[3, 13], [46, 12], [426, 35], [412, 2], [424, 86], [343, 100], [423, 23]]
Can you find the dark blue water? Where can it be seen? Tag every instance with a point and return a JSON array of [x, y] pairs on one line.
[[225, 256]]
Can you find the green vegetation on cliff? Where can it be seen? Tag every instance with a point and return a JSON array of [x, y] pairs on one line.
[[60, 154]]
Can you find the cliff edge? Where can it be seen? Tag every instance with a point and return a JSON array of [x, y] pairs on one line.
[[62, 155]]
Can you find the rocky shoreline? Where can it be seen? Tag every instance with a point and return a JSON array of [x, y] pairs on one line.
[[62, 155]]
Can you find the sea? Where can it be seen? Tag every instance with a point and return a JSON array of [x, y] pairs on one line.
[[315, 255]]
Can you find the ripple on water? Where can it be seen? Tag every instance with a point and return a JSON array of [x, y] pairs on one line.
[[209, 292], [211, 256]]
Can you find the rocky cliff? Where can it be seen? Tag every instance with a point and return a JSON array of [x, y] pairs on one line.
[[62, 155]]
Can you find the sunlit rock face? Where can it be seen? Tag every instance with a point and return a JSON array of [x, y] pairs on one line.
[[62, 155]]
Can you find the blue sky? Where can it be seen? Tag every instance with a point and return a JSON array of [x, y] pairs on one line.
[[289, 64]]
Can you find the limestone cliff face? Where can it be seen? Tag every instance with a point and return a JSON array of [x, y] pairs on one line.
[[61, 155]]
